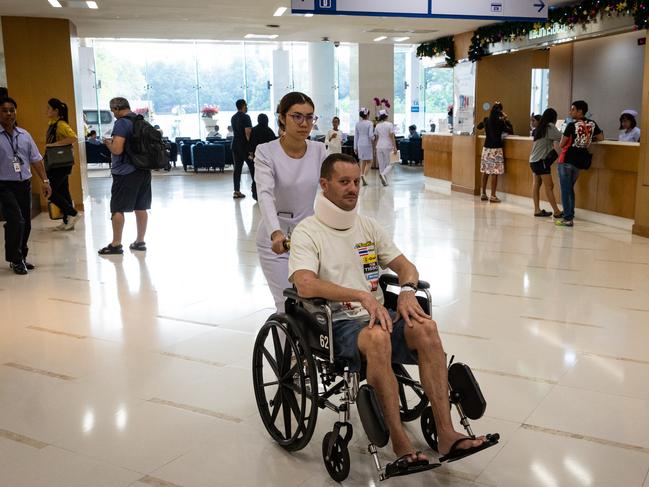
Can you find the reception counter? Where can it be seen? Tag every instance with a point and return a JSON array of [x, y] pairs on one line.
[[609, 186]]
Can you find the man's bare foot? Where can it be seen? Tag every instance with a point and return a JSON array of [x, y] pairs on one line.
[[402, 448], [445, 442]]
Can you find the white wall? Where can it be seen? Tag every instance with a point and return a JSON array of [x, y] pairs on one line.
[[607, 73], [3, 71]]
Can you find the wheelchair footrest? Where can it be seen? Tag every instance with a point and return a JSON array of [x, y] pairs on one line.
[[466, 391], [402, 467]]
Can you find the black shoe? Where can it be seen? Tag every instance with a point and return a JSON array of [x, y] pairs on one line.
[[30, 267], [18, 268], [137, 246]]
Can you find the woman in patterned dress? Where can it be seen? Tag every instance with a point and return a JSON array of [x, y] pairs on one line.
[[492, 162]]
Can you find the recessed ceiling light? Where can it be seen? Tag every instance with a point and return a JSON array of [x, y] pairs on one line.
[[55, 3], [380, 38], [280, 11], [308, 15], [261, 36], [400, 39], [92, 4]]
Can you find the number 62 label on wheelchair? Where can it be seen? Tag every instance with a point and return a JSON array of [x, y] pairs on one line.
[[324, 342]]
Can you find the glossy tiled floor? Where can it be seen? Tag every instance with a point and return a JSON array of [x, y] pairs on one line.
[[135, 370]]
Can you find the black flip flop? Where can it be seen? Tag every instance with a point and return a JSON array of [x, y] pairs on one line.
[[456, 453], [110, 250], [406, 466], [543, 213], [138, 246]]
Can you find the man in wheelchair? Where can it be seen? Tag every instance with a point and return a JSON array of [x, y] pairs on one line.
[[336, 255]]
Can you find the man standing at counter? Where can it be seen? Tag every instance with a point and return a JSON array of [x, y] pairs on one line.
[[575, 142]]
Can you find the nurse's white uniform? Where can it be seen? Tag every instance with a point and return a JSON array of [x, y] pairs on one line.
[[363, 138], [286, 189]]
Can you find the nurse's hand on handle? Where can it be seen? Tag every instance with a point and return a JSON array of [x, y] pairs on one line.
[[280, 241]]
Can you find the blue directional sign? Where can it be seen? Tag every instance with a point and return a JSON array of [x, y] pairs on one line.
[[524, 10]]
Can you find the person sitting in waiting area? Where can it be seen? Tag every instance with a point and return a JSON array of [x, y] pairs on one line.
[[215, 132], [412, 132], [230, 134], [629, 130], [92, 138], [335, 255]]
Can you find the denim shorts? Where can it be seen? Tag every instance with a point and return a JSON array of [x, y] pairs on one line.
[[346, 343]]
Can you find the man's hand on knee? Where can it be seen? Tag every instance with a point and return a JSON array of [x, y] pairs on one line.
[[378, 313], [410, 310]]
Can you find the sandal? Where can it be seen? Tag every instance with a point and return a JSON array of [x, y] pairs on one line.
[[405, 465], [137, 246], [484, 197], [111, 250], [456, 453], [238, 194], [543, 213], [558, 215], [494, 199]]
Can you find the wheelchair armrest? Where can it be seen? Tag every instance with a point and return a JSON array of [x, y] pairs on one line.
[[393, 280], [291, 293]]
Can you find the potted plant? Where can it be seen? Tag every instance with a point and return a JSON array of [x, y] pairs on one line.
[[207, 114]]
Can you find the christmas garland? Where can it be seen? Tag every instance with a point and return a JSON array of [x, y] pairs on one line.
[[582, 13], [442, 46]]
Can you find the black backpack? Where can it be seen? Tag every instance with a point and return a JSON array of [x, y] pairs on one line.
[[145, 149]]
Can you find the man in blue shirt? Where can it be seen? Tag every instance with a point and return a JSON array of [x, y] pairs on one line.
[[18, 155], [131, 190]]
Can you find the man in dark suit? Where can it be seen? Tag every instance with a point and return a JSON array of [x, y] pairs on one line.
[[242, 128]]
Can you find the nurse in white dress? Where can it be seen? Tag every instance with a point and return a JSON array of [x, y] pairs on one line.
[[363, 142], [287, 173], [335, 138], [386, 143]]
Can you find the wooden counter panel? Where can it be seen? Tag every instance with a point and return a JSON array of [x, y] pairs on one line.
[[438, 155]]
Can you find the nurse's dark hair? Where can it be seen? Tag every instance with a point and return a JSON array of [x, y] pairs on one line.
[[549, 116], [290, 99], [630, 118], [60, 107], [6, 99], [327, 169]]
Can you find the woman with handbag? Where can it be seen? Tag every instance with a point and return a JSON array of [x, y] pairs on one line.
[[544, 153], [59, 160]]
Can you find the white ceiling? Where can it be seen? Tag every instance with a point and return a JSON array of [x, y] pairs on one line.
[[229, 20]]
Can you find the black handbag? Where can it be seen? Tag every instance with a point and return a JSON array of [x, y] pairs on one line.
[[550, 158], [58, 157], [580, 158]]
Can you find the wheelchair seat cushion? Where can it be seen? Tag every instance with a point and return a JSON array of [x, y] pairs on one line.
[[346, 349]]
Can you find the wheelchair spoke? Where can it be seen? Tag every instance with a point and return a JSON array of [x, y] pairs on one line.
[[287, 414], [296, 410], [268, 384], [293, 370], [288, 353], [276, 405], [278, 349], [402, 396], [271, 361]]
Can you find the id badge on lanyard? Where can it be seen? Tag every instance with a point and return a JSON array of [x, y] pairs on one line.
[[17, 163]]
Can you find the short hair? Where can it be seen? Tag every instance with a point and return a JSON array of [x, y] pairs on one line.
[[92, 132], [7, 99], [327, 169], [581, 105], [216, 127], [119, 103], [630, 118], [412, 127], [241, 103]]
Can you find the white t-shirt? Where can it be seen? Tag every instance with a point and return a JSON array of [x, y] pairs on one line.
[[384, 131], [349, 258], [335, 144]]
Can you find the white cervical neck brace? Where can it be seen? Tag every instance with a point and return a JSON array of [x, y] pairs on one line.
[[332, 216]]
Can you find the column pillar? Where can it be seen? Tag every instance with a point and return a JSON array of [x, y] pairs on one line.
[[34, 76], [375, 74], [641, 225], [322, 82]]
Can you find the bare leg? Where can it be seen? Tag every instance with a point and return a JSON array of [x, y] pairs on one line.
[[549, 192], [485, 178], [118, 227], [374, 344], [494, 184], [433, 373], [536, 190], [141, 219]]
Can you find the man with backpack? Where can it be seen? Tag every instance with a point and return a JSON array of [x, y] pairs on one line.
[[132, 148], [574, 156]]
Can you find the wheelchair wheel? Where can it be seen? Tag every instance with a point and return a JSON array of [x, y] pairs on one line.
[[412, 399], [285, 383], [338, 463], [428, 428]]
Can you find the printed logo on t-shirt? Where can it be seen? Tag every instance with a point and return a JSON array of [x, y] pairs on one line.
[[584, 131], [369, 259]]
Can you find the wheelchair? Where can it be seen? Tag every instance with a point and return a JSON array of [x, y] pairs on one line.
[[295, 373]]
